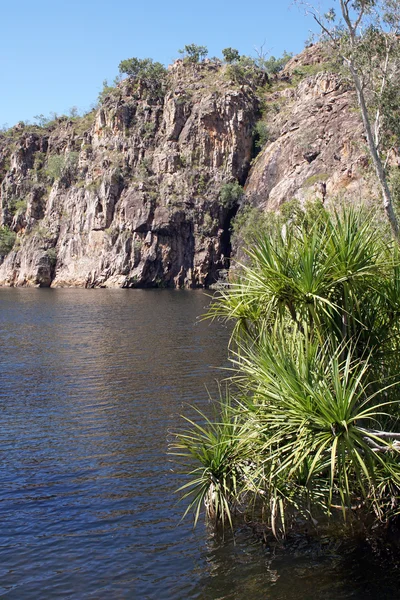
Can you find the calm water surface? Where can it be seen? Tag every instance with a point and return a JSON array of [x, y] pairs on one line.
[[92, 382]]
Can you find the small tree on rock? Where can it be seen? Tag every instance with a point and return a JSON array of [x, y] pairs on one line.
[[194, 53], [274, 65], [146, 70], [230, 55], [142, 68]]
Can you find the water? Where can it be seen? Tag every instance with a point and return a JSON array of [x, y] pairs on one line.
[[92, 383]]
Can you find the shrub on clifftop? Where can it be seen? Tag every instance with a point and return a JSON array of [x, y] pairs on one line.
[[194, 53], [142, 68], [230, 55], [147, 71]]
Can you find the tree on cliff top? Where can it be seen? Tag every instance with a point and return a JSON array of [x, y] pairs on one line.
[[147, 71], [142, 68], [365, 37], [194, 53], [230, 55]]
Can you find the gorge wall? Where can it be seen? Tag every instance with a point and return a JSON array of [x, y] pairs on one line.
[[130, 195]]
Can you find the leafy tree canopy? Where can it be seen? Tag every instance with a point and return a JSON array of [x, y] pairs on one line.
[[194, 53], [142, 68], [230, 55], [274, 65], [231, 194]]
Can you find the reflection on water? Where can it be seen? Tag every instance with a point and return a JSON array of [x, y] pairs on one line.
[[92, 381]]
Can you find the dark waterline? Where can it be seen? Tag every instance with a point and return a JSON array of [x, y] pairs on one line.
[[92, 382]]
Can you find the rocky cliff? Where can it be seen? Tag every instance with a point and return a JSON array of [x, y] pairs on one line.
[[131, 195], [316, 146]]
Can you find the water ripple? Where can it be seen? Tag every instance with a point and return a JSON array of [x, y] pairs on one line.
[[92, 381]]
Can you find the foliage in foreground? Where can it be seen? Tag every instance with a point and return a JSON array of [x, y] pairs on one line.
[[311, 423]]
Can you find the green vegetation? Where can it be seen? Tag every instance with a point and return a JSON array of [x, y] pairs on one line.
[[231, 194], [107, 90], [142, 69], [41, 231], [242, 71], [309, 426], [146, 71], [84, 123], [394, 183], [17, 206], [52, 254], [144, 168], [93, 186], [209, 225], [40, 158], [202, 183], [309, 70], [194, 53], [245, 69], [248, 221], [261, 134], [42, 120], [230, 55], [274, 65], [310, 181], [45, 122], [55, 166], [59, 165], [149, 129], [7, 240]]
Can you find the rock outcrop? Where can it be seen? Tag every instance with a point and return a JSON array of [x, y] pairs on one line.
[[130, 195], [316, 146]]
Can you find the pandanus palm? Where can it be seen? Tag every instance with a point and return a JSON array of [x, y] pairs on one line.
[[315, 348], [315, 413]]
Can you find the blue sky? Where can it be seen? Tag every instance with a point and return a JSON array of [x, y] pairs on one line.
[[56, 54]]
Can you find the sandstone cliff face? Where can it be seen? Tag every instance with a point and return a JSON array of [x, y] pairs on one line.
[[136, 195], [316, 146], [129, 196]]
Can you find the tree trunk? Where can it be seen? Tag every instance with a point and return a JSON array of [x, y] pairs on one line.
[[380, 172]]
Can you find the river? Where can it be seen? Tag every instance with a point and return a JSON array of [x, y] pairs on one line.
[[92, 384]]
